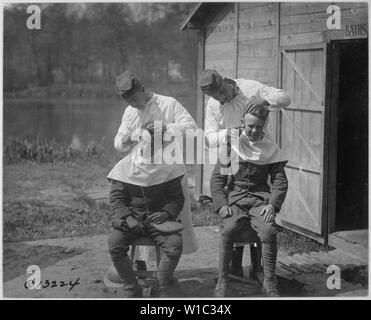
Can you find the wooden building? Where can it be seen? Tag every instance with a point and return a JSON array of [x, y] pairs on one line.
[[319, 55]]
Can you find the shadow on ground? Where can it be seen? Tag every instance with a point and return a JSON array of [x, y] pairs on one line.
[[17, 256]]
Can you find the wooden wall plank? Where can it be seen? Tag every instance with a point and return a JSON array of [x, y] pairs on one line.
[[251, 5], [288, 86], [316, 76], [254, 21], [307, 68], [352, 16], [352, 5], [220, 38], [315, 196], [295, 8], [257, 63], [295, 28], [299, 90], [256, 48], [257, 33], [271, 127], [219, 55], [224, 67], [309, 37], [304, 18], [298, 85], [258, 16], [213, 52], [259, 75]]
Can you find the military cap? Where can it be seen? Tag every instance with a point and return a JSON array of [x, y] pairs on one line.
[[127, 84], [210, 81]]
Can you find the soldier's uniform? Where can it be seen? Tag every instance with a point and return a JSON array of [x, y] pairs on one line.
[[247, 196]]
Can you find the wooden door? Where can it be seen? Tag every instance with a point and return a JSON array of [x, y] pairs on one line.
[[301, 134]]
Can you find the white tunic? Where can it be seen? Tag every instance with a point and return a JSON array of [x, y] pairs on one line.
[[158, 108]]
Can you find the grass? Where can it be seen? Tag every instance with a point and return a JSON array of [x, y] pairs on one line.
[[34, 220], [33, 209]]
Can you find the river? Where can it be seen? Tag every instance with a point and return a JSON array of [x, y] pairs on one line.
[[75, 122]]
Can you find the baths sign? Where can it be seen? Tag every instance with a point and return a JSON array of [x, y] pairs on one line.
[[333, 22]]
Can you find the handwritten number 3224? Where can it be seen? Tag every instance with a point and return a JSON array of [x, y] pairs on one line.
[[52, 284]]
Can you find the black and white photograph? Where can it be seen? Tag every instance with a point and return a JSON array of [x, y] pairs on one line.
[[185, 150]]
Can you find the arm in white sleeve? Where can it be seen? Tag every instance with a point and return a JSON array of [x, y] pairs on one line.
[[214, 135], [276, 98], [182, 120], [122, 141]]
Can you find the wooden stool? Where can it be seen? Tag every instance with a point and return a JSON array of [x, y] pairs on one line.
[[144, 241], [251, 238]]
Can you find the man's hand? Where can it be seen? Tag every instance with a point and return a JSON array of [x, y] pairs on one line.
[[133, 224], [257, 102], [153, 126], [269, 213], [159, 217], [225, 212], [125, 138]]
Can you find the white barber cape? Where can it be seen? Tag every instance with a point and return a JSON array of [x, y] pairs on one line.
[[175, 117], [220, 117]]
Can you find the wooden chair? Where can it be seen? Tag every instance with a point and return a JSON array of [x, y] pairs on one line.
[[253, 241]]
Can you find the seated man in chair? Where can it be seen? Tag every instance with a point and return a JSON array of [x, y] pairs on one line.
[[250, 202], [229, 99], [145, 196]]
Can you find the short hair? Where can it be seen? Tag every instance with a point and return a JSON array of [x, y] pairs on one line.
[[259, 111]]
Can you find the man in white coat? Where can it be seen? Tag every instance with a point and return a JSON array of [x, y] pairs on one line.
[[153, 112], [230, 100]]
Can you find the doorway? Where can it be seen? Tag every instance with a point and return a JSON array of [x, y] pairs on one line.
[[350, 57]]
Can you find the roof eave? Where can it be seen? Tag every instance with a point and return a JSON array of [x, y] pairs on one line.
[[187, 24], [201, 14]]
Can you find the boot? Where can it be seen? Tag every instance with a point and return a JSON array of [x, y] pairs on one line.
[[123, 266], [270, 288], [236, 262], [165, 272], [221, 287], [225, 255], [269, 255]]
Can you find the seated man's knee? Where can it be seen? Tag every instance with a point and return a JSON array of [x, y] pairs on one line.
[[117, 244], [230, 226], [268, 233], [173, 246]]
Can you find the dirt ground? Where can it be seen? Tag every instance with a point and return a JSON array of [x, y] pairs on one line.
[[86, 260]]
